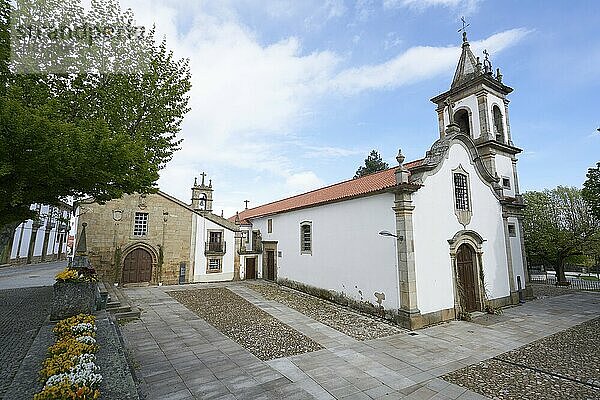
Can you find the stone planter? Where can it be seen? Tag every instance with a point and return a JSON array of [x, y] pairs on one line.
[[72, 298]]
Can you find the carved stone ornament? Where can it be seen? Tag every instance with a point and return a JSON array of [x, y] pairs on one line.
[[437, 152], [142, 202], [117, 215]]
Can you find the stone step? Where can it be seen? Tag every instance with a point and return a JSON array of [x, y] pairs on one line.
[[136, 285], [128, 315], [120, 309], [113, 304]]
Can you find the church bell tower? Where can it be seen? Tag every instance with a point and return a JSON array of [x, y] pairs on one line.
[[476, 105], [202, 195]]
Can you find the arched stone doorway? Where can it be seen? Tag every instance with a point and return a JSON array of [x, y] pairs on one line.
[[137, 266], [466, 271], [466, 255]]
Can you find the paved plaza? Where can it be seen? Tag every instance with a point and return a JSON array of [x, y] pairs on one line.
[[178, 355]]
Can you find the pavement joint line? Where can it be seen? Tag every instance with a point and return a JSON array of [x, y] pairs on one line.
[[546, 372]]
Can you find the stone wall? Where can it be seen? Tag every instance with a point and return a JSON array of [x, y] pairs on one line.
[[109, 238]]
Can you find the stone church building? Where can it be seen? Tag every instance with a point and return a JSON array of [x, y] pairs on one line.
[[419, 243], [158, 239]]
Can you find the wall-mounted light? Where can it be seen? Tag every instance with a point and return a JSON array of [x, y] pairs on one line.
[[390, 234]]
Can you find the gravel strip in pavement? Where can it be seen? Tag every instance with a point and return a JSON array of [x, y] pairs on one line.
[[524, 373], [23, 311], [355, 325], [573, 353], [542, 291], [260, 333], [501, 381]]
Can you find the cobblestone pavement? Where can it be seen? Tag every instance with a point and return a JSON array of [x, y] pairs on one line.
[[263, 335], [542, 291], [560, 366], [23, 311], [351, 323], [181, 356]]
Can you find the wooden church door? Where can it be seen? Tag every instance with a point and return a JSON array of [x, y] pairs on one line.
[[137, 267], [465, 265]]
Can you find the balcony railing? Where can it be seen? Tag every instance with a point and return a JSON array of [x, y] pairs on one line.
[[214, 248]]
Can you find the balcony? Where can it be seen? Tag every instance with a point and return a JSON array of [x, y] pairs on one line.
[[255, 249], [214, 248]]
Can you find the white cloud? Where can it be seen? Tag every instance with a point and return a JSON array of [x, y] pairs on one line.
[[329, 152], [416, 64], [302, 182], [249, 98], [466, 6], [364, 9]]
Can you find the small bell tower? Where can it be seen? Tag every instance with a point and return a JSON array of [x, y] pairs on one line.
[[202, 195], [476, 105]]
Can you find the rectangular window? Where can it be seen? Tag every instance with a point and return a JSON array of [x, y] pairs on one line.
[[214, 265], [512, 230], [140, 224], [306, 238], [461, 191], [245, 237], [506, 183], [269, 225]]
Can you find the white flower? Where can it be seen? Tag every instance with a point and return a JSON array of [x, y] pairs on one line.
[[82, 328], [86, 340]]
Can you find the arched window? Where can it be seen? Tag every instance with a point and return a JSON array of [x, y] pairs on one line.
[[498, 126], [461, 117]]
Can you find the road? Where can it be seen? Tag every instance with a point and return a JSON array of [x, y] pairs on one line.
[[35, 275]]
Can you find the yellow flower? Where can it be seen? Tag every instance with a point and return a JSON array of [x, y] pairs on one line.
[[67, 275]]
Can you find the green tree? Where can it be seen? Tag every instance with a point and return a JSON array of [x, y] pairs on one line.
[[104, 127], [558, 225], [591, 190], [373, 163]]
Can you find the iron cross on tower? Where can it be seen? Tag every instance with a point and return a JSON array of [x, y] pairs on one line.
[[202, 175], [246, 201], [464, 25]]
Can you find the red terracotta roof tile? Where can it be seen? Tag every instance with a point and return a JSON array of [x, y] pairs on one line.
[[336, 192]]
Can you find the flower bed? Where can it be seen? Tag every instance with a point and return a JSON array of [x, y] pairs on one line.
[[70, 370], [77, 275]]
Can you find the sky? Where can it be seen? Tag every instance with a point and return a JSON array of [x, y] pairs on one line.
[[292, 95]]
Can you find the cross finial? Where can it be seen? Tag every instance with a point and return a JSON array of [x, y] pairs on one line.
[[464, 28], [202, 175], [246, 202]]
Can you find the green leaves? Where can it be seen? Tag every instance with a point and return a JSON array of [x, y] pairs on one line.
[[591, 190], [373, 163], [100, 132], [558, 225]]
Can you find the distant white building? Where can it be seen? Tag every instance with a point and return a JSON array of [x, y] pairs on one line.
[[421, 242], [41, 240]]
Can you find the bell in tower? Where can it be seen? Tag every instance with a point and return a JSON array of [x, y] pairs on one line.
[[202, 195]]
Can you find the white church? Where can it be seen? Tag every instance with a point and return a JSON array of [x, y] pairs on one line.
[[426, 241], [422, 242]]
